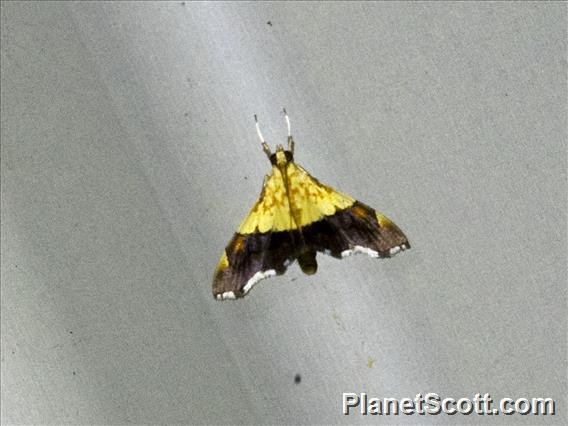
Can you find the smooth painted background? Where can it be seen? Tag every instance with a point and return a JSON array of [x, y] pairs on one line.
[[129, 157]]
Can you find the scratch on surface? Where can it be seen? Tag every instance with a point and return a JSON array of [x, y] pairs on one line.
[[337, 320]]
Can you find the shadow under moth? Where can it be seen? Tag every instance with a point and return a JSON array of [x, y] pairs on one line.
[[296, 217]]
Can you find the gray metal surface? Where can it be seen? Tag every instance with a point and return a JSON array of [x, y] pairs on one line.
[[129, 157]]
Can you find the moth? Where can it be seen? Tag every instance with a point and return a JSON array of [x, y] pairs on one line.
[[296, 217]]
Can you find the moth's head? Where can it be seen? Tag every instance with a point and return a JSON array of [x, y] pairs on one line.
[[281, 157]]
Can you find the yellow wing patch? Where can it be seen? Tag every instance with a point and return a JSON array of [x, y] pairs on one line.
[[383, 220], [291, 199], [223, 262], [310, 199], [272, 210]]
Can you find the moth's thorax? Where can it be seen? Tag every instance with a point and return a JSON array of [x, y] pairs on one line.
[[281, 157]]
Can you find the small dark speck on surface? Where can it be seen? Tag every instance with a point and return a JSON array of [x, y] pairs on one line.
[[246, 178], [70, 332], [293, 279], [297, 379], [506, 94], [186, 114], [13, 351], [182, 3], [269, 23], [74, 373]]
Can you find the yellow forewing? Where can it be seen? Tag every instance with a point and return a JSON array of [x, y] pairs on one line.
[[311, 200], [291, 201], [272, 210]]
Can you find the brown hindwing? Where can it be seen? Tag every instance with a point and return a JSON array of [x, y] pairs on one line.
[[355, 226]]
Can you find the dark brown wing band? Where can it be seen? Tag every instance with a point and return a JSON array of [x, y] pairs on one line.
[[255, 256]]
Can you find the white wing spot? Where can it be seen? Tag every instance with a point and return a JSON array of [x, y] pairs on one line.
[[360, 249], [226, 295], [260, 275], [394, 250], [371, 253], [250, 284]]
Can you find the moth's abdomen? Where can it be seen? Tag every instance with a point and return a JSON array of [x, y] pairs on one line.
[[308, 262]]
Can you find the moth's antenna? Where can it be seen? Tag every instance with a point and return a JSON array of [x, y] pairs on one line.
[[290, 140], [287, 121], [265, 146], [258, 130]]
